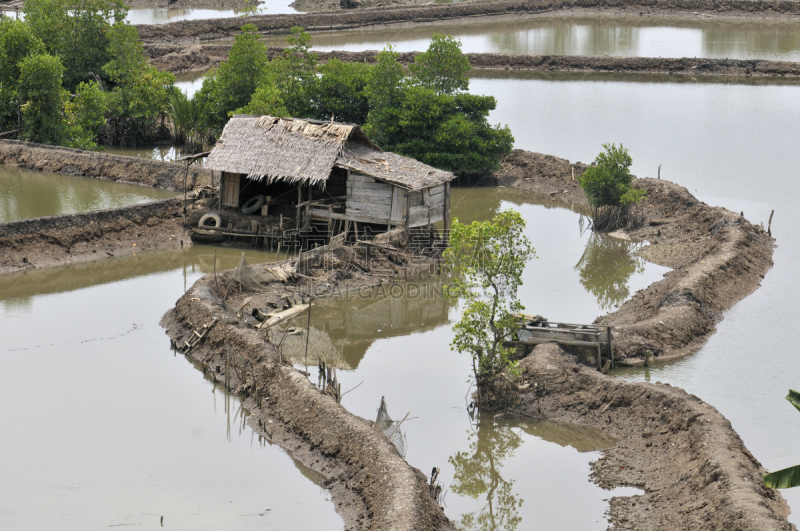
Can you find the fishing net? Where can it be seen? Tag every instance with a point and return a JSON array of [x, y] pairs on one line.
[[391, 429], [259, 277]]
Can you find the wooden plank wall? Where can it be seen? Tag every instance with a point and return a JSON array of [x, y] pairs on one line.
[[426, 206], [368, 198], [230, 189]]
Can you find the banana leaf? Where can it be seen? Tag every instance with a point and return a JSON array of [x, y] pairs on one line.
[[783, 479], [794, 398]]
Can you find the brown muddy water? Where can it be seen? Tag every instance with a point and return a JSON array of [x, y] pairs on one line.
[[103, 426], [613, 35], [731, 145], [32, 194], [108, 427], [499, 473]]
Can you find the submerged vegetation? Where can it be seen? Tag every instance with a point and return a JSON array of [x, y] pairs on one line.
[[487, 260]]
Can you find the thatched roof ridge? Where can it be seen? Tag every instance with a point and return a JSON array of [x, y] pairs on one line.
[[293, 150]]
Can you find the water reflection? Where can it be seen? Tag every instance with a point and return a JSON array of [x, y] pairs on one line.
[[342, 331], [477, 475], [606, 267]]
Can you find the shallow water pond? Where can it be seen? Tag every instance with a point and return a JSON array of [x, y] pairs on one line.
[[395, 344], [102, 425], [32, 194]]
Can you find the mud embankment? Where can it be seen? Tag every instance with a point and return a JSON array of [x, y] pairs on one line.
[[74, 238], [199, 58], [694, 469], [192, 31], [98, 165], [717, 256], [371, 485]]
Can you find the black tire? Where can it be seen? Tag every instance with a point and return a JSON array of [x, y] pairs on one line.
[[207, 236], [210, 216], [254, 204]]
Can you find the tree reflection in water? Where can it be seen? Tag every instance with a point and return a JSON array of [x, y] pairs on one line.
[[606, 267], [477, 475]]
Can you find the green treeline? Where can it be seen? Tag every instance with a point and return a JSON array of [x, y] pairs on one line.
[[74, 73], [429, 115]]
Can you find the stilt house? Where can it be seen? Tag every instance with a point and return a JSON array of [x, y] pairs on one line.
[[331, 172]]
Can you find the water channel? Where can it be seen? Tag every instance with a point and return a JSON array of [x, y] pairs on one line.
[[397, 347], [616, 35]]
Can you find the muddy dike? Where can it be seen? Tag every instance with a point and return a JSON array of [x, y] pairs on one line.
[[717, 257], [99, 165], [199, 58], [694, 469], [88, 236], [371, 485], [192, 31]]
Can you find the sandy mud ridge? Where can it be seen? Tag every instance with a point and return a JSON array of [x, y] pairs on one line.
[[371, 485], [694, 469], [199, 58], [192, 31], [717, 256]]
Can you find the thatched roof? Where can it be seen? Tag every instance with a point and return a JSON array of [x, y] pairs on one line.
[[395, 169], [292, 150]]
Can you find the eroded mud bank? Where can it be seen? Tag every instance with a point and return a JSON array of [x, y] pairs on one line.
[[694, 469], [74, 238], [98, 165], [188, 32], [371, 485], [199, 58], [717, 256]]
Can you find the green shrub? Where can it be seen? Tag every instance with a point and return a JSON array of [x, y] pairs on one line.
[[42, 99], [607, 185]]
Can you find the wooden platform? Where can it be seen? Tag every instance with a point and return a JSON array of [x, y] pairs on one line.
[[535, 330]]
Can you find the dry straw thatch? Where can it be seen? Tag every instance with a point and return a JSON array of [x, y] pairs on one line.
[[305, 151]]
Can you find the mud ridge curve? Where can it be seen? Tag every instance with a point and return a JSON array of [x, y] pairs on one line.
[[717, 256], [371, 485], [694, 469]]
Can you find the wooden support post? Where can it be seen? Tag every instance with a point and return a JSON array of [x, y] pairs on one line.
[[599, 355], [227, 366], [299, 200], [610, 348], [769, 225], [445, 236]]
